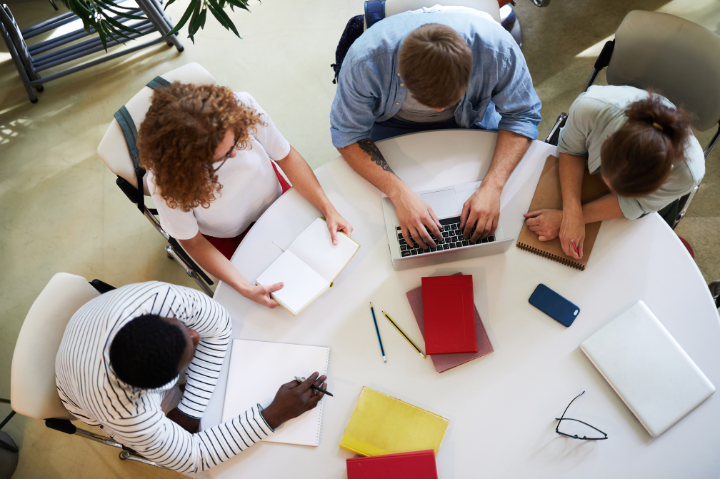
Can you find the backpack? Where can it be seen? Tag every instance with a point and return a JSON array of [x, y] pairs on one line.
[[374, 12]]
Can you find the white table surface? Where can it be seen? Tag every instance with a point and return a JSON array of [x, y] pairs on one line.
[[502, 406]]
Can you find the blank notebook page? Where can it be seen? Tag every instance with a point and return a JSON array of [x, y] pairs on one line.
[[259, 368], [314, 246], [301, 283]]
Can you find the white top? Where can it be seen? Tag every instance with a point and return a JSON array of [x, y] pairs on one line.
[[502, 406], [650, 371], [249, 182], [600, 112], [90, 390]]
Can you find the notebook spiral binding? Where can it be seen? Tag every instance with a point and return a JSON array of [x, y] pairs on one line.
[[321, 405], [551, 256]]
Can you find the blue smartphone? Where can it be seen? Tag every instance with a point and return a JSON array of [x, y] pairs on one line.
[[554, 305]]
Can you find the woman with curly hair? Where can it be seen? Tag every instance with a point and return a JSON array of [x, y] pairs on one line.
[[643, 147], [209, 157]]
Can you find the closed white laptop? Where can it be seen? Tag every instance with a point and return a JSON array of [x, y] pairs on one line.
[[648, 369]]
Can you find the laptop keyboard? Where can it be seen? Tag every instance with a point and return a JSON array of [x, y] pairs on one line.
[[453, 239]]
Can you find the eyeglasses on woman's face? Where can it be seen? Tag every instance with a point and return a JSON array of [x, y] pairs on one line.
[[228, 154]]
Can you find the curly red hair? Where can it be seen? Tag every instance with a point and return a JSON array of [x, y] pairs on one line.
[[179, 136]]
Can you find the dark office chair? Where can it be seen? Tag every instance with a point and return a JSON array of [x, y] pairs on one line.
[[33, 392], [677, 58]]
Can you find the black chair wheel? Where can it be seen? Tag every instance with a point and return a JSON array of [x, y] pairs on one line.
[[40, 88], [34, 101], [181, 49], [169, 43]]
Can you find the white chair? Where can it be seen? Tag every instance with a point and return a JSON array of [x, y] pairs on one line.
[[113, 150], [33, 392], [677, 58]]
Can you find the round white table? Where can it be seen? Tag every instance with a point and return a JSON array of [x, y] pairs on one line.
[[502, 406]]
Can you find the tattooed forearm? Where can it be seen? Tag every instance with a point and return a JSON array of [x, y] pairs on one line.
[[369, 147]]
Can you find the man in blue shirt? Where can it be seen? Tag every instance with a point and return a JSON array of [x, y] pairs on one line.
[[445, 67]]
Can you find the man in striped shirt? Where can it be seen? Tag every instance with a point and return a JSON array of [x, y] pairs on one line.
[[119, 362]]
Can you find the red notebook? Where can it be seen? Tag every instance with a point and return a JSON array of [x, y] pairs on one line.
[[443, 362], [449, 313], [405, 465]]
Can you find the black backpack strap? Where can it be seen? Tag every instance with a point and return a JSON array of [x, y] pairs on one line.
[[374, 12], [352, 32], [130, 133]]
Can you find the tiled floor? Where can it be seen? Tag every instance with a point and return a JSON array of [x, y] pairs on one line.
[[61, 210]]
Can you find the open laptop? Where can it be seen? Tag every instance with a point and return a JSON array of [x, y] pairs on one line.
[[447, 204]]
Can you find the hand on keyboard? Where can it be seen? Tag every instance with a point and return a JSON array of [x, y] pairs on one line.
[[452, 239], [418, 222], [481, 213]]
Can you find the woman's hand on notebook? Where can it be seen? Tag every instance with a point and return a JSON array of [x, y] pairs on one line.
[[544, 223], [572, 233], [261, 294], [337, 223], [293, 399]]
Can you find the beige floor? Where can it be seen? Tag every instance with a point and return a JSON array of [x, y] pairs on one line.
[[62, 211]]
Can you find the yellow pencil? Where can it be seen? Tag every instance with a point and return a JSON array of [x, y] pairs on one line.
[[404, 335]]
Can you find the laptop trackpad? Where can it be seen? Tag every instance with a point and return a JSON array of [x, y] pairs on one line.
[[444, 202]]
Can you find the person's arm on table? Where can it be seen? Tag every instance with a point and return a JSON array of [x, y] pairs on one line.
[[305, 182], [352, 116], [164, 442], [547, 223], [571, 226], [414, 214], [519, 107], [213, 261], [482, 209]]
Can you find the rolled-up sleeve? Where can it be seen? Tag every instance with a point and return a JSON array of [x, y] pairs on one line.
[[515, 98], [573, 139], [353, 110]]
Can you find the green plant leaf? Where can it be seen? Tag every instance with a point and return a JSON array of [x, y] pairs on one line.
[[239, 4], [194, 24], [119, 26], [220, 13], [111, 7], [203, 16], [182, 22]]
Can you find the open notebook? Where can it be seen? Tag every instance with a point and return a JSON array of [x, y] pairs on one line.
[[309, 266], [259, 368], [549, 195]]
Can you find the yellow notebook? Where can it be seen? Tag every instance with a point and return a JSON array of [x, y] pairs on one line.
[[381, 424]]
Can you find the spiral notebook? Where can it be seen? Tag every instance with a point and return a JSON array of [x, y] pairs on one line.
[[259, 368], [549, 195]]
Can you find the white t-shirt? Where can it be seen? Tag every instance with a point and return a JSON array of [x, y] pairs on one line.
[[249, 182]]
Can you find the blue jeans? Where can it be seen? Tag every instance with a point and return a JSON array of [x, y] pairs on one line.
[[394, 127]]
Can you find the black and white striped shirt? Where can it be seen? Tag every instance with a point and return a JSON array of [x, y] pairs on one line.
[[90, 390]]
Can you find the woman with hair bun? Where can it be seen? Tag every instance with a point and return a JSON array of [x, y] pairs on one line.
[[639, 142], [209, 156]]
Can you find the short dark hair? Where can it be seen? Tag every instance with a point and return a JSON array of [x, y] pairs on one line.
[[435, 64], [637, 159], [146, 352]]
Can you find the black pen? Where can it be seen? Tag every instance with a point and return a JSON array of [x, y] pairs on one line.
[[312, 386]]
